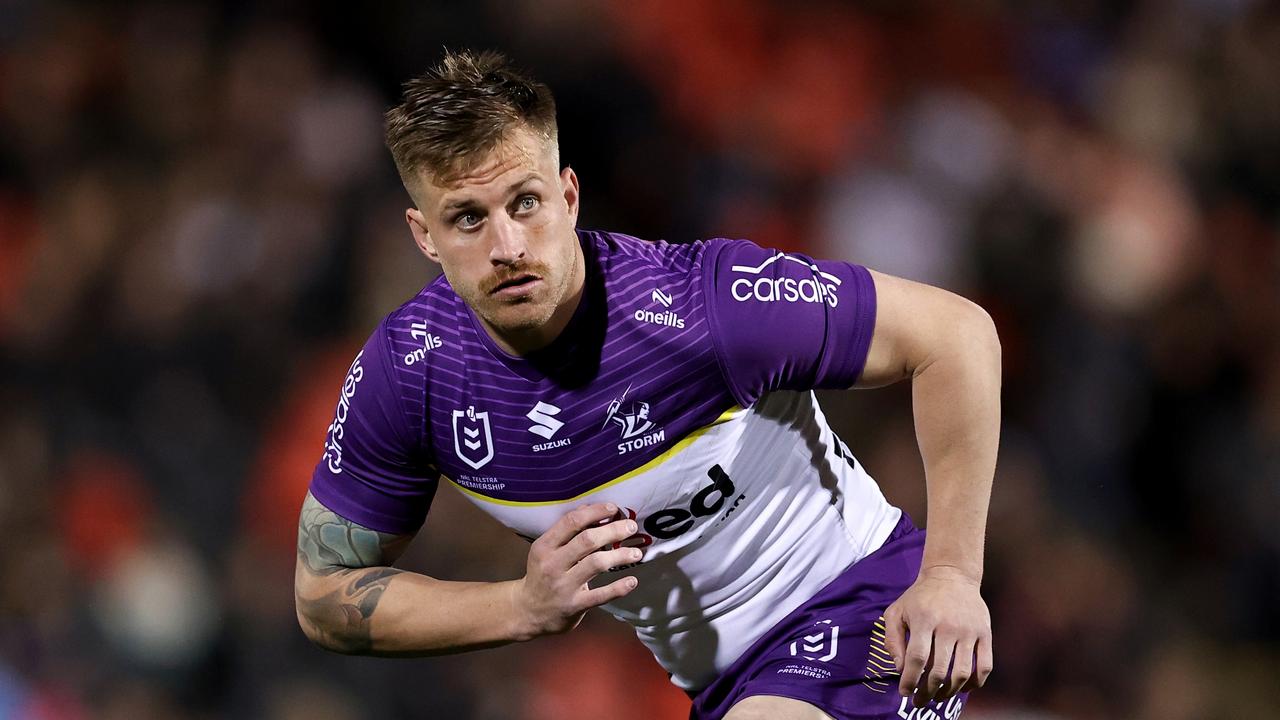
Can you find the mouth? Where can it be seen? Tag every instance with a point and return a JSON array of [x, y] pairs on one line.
[[517, 285]]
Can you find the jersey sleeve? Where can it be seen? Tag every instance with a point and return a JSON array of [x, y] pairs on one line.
[[375, 470], [783, 321]]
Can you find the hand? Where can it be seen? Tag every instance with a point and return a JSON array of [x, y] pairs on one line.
[[553, 595], [947, 620]]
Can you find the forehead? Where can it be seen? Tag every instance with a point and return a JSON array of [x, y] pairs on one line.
[[521, 156]]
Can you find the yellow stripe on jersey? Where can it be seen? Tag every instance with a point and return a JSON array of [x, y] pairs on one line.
[[671, 452]]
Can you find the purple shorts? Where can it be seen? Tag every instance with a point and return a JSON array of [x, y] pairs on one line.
[[829, 652]]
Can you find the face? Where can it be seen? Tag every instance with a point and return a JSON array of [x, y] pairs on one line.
[[503, 232]]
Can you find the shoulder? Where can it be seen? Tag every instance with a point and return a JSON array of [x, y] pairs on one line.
[[621, 251], [420, 325]]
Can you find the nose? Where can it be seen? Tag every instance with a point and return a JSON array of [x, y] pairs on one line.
[[509, 244]]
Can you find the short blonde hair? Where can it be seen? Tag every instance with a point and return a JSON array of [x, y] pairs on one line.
[[450, 117]]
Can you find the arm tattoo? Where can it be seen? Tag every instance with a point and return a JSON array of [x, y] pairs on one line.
[[329, 545], [341, 617]]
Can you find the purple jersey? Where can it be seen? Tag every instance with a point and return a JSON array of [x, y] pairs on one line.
[[680, 390]]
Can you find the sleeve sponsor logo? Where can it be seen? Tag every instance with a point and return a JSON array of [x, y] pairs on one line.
[[821, 287], [337, 429]]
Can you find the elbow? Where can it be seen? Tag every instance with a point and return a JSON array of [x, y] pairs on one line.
[[309, 625], [981, 333], [317, 626], [309, 628]]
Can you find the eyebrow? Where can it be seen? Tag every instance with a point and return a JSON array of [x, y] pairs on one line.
[[468, 202]]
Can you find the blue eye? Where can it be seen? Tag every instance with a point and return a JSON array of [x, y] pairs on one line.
[[528, 203], [467, 220]]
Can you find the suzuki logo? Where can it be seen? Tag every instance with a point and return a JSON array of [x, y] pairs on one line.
[[544, 423]]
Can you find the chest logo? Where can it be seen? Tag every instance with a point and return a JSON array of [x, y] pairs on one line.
[[544, 421], [472, 437], [418, 331], [663, 316], [633, 417], [546, 425]]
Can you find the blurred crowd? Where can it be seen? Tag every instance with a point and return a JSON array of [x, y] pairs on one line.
[[199, 226]]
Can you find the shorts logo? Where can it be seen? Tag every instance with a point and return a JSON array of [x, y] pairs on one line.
[[633, 417], [820, 287], [932, 711], [820, 646], [472, 437]]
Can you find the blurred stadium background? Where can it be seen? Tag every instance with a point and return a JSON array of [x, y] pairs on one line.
[[199, 226]]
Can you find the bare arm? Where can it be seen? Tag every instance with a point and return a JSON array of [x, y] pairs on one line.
[[348, 600], [949, 348]]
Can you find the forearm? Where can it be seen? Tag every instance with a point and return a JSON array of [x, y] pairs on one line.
[[390, 612], [956, 401], [349, 600]]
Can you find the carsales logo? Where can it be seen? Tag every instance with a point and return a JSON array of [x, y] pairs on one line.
[[821, 287], [333, 446]]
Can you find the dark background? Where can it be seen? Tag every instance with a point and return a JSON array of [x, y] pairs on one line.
[[199, 227]]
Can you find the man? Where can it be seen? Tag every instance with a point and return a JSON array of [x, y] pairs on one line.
[[643, 413]]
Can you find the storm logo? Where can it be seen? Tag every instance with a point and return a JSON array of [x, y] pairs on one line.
[[638, 430]]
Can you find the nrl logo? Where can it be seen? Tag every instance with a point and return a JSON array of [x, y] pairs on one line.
[[472, 437], [825, 641]]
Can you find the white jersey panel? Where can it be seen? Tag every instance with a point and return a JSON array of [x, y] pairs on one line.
[[741, 522]]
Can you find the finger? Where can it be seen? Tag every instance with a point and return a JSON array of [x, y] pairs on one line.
[[575, 521], [961, 669], [985, 662], [915, 659], [601, 595], [593, 538], [600, 561], [935, 672], [894, 635]]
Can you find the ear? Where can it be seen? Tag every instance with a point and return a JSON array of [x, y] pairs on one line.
[[421, 237], [569, 183]]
